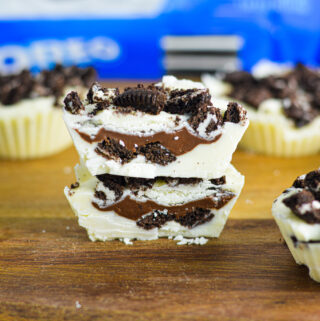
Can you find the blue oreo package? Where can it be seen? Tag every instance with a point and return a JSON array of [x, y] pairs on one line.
[[143, 39]]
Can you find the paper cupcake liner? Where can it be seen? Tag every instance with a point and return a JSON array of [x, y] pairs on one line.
[[275, 139], [303, 253], [30, 136]]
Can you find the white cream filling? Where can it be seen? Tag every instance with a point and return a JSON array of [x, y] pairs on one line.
[[173, 83], [130, 123], [265, 68], [107, 225]]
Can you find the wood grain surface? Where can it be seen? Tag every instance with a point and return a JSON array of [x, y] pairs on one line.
[[49, 270]]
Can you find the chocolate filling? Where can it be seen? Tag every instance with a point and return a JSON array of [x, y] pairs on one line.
[[184, 144], [134, 210]]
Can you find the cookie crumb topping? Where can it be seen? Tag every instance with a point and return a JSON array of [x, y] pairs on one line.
[[305, 203]]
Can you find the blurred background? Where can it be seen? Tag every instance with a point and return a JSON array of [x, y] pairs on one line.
[[144, 39]]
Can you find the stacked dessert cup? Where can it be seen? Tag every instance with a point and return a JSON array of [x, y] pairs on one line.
[[154, 161]]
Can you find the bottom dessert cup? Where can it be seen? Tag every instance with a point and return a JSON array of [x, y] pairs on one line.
[[107, 224]]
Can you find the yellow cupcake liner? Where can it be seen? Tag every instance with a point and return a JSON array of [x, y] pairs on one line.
[[37, 134], [302, 252], [279, 139]]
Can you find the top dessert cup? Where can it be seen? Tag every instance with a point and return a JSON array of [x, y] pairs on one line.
[[271, 131], [119, 140], [31, 124]]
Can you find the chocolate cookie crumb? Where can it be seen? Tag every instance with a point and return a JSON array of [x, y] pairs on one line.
[[112, 149], [175, 181], [147, 100], [191, 219], [98, 107], [312, 181], [301, 204], [239, 77], [218, 181], [73, 103], [234, 113], [156, 153], [137, 183], [74, 185], [196, 217], [187, 101], [14, 88], [114, 183], [155, 219], [215, 122], [299, 183], [202, 114], [300, 110], [100, 195]]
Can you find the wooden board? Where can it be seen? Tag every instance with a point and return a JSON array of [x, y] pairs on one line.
[[48, 267]]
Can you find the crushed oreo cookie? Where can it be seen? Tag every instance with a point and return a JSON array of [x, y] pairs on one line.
[[299, 89], [114, 183], [196, 217], [175, 181], [306, 202], [202, 114], [218, 181], [154, 220], [234, 113], [191, 219], [187, 101], [73, 103], [148, 100], [156, 153], [14, 88], [74, 185], [300, 110], [112, 149]]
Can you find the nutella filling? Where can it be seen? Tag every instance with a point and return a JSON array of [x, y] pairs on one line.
[[134, 210], [180, 141]]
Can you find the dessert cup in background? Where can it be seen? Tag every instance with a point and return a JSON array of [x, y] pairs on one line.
[[283, 108], [297, 213], [31, 123], [154, 161]]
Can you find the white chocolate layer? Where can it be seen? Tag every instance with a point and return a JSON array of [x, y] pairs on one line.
[[107, 225]]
